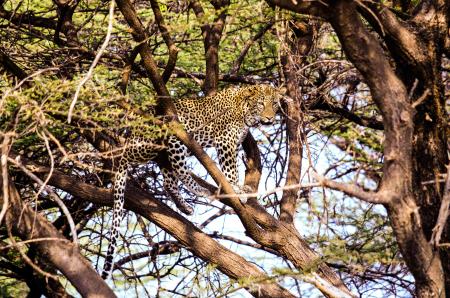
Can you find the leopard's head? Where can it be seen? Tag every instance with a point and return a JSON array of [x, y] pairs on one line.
[[262, 103]]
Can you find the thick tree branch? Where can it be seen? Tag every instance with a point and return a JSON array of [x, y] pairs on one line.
[[165, 105], [402, 42], [24, 19], [12, 67], [297, 42], [173, 50], [253, 165], [315, 8], [391, 97], [368, 57], [62, 254], [212, 33], [65, 23]]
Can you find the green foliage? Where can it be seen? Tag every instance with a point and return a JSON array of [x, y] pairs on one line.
[[12, 288], [45, 105]]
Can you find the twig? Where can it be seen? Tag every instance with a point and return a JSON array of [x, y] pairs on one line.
[[31, 241], [443, 213], [351, 190], [4, 165], [94, 63], [421, 98], [266, 193]]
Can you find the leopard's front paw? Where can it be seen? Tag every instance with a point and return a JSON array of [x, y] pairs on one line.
[[244, 189]]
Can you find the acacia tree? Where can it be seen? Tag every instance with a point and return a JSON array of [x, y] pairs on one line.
[[368, 120]]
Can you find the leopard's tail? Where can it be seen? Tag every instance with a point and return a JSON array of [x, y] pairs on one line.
[[118, 211]]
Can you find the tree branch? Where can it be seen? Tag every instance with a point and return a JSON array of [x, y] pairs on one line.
[[212, 33], [28, 18], [443, 213], [173, 50], [179, 227], [401, 41], [391, 97], [238, 62], [62, 254], [165, 105], [353, 190], [315, 8], [325, 105], [12, 67]]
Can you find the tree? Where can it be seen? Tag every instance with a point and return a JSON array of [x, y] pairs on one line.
[[353, 190]]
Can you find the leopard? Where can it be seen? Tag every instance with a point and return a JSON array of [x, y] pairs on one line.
[[222, 121]]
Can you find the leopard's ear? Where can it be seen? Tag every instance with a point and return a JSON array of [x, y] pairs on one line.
[[247, 93]]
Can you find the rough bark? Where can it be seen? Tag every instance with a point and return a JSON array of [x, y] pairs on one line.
[[298, 41], [391, 97]]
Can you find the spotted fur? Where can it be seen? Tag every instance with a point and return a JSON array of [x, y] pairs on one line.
[[221, 121]]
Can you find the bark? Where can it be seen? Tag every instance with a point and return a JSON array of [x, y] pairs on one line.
[[11, 67], [38, 285], [430, 143], [65, 10], [63, 254], [316, 8], [41, 286]]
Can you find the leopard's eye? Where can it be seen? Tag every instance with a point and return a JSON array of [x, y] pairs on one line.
[[275, 105]]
